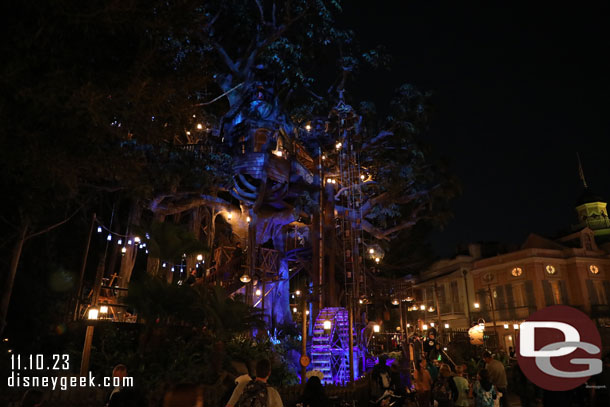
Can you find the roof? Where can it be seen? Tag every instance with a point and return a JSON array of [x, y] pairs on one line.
[[588, 196]]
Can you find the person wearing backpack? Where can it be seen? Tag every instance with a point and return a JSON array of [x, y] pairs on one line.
[[444, 391], [257, 392], [485, 393]]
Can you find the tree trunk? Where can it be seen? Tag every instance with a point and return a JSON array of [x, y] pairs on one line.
[[129, 258], [10, 280], [152, 263]]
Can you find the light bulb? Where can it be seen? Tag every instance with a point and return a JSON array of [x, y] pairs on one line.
[[298, 292], [123, 250], [422, 307], [505, 326], [446, 326], [109, 237], [377, 259], [477, 305], [258, 293], [306, 312], [199, 257], [248, 219], [376, 328], [324, 157], [425, 327], [230, 216], [104, 309], [129, 242], [164, 264], [294, 309], [327, 325], [338, 145], [362, 177], [120, 242], [432, 324], [92, 314], [99, 229], [136, 239], [371, 251], [199, 126], [245, 279], [307, 127], [278, 153], [516, 326]]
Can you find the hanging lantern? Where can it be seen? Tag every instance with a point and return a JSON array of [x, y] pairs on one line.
[[245, 278], [395, 301], [327, 325]]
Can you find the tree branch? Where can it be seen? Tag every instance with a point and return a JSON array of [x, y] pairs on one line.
[[48, 229], [377, 138], [227, 59], [171, 208]]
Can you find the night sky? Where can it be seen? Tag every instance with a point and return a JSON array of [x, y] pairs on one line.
[[518, 90]]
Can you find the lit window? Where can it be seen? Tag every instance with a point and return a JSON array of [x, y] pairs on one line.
[[517, 271], [550, 269], [593, 269]]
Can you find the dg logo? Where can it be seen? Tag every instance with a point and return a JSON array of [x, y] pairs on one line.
[[559, 348]]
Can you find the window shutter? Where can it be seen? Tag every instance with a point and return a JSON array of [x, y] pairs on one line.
[[510, 301], [564, 292], [607, 290], [548, 292], [529, 292], [501, 302], [592, 293]]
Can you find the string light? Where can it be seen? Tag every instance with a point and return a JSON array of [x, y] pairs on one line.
[[99, 229], [362, 177], [172, 269], [298, 292], [199, 126], [432, 324], [137, 239], [258, 293], [164, 264], [129, 242], [199, 257], [294, 309], [230, 216], [327, 325], [124, 250], [308, 127], [109, 237], [120, 242], [376, 328], [248, 219], [505, 326], [377, 259], [278, 153], [306, 312], [338, 145], [324, 157], [372, 251], [446, 326]]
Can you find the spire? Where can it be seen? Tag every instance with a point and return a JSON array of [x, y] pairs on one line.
[[581, 173]]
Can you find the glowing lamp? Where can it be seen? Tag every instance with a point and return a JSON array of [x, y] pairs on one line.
[[395, 301], [92, 314], [245, 279], [188, 133], [477, 305], [327, 325], [99, 229], [422, 307], [398, 328], [129, 242], [516, 326], [248, 219], [324, 157], [376, 328], [294, 309], [425, 327], [278, 153], [432, 324], [120, 242], [164, 264], [109, 237], [371, 251], [446, 326], [104, 309], [172, 269], [334, 181], [431, 309], [298, 292], [199, 257], [377, 259], [409, 299], [199, 126], [360, 301], [306, 312], [445, 349], [230, 216], [308, 127], [408, 325], [505, 326], [362, 177], [124, 250], [258, 293], [137, 239]]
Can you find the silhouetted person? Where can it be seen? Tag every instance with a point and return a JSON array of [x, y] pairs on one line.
[[313, 395]]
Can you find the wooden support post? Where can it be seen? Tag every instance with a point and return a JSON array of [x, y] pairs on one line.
[[493, 317], [350, 310], [84, 364], [79, 291], [303, 336]]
